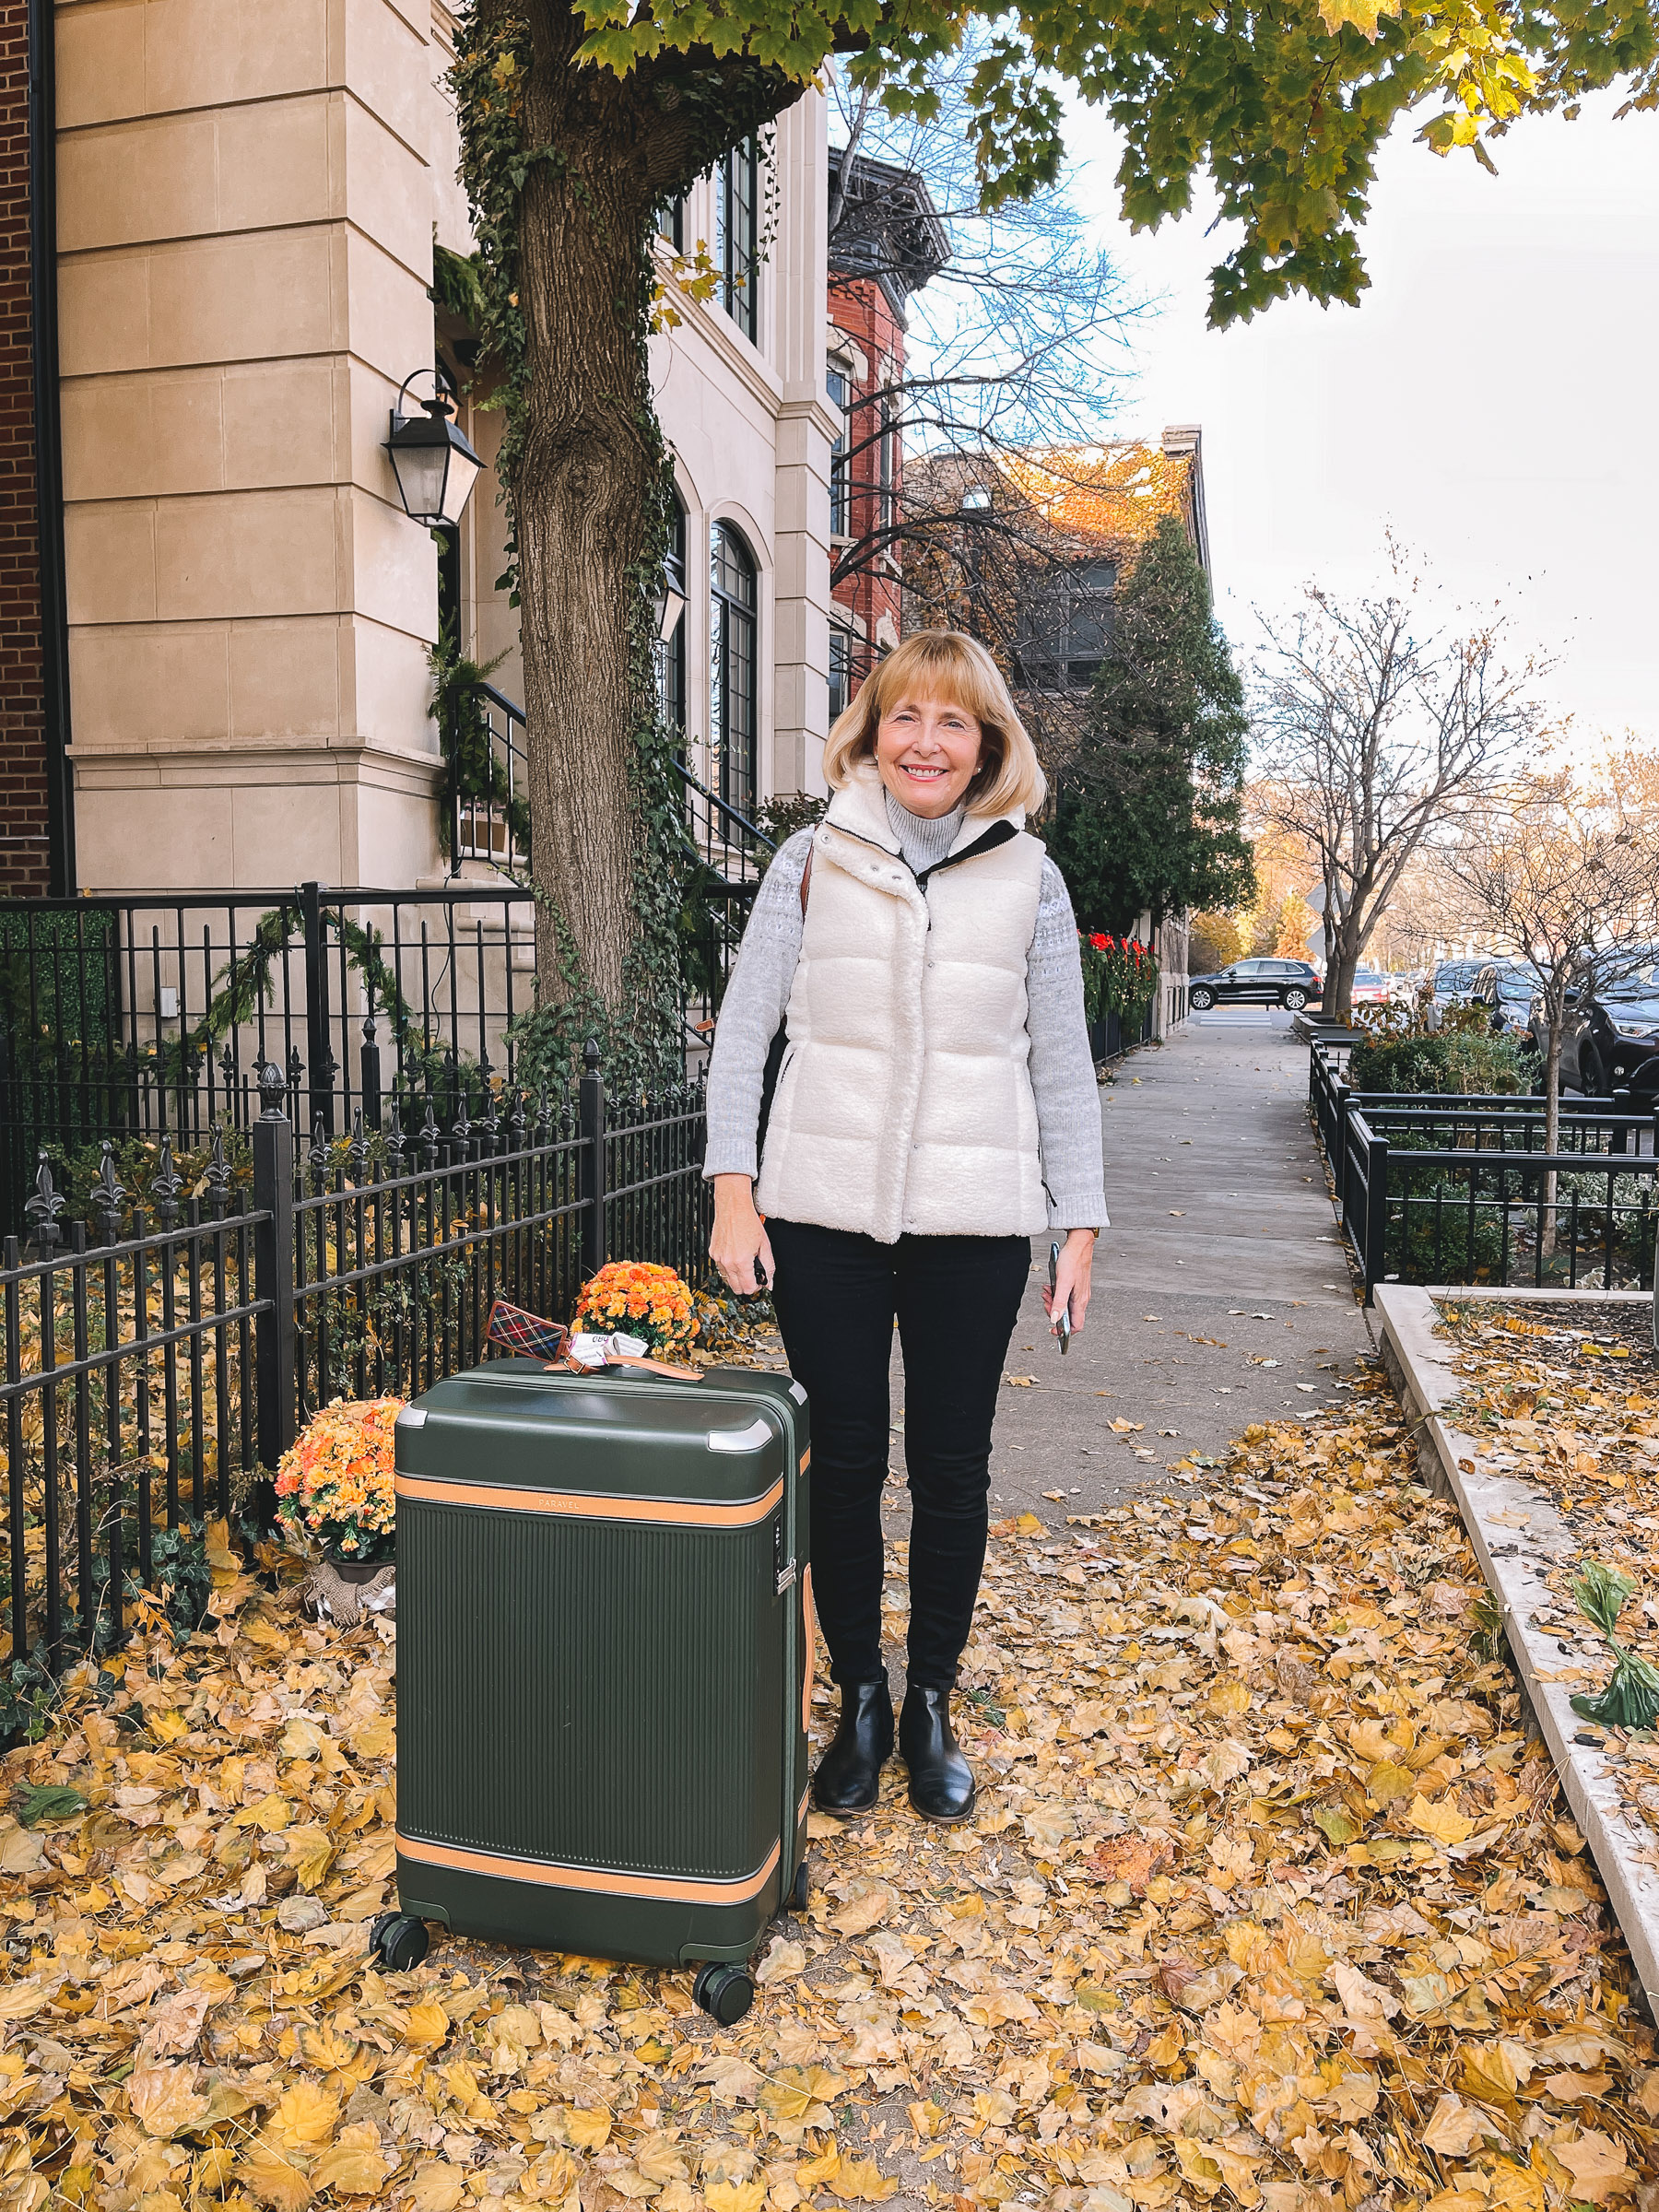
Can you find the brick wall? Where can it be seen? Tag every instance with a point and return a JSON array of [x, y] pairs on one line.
[[873, 593], [24, 848]]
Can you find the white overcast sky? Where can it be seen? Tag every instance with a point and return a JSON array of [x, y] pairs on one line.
[[1492, 398]]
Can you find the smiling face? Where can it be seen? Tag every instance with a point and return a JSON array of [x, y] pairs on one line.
[[927, 752]]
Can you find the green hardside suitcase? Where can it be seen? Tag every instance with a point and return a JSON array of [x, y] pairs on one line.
[[605, 1664]]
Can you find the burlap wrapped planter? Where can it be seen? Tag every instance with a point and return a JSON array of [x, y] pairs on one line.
[[347, 1591]]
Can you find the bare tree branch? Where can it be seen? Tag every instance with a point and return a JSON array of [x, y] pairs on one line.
[[1376, 729]]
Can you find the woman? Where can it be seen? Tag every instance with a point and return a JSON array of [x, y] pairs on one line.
[[934, 1109]]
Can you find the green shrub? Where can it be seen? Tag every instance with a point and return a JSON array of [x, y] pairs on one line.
[[1448, 1061]]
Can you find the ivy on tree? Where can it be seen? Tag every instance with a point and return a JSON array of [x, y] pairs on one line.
[[578, 122], [1148, 814]]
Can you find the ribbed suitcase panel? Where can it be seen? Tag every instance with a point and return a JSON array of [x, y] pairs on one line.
[[600, 1693]]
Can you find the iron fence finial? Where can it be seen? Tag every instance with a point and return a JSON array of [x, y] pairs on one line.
[[42, 1210], [219, 1174], [108, 1196], [357, 1152], [273, 1091], [166, 1185]]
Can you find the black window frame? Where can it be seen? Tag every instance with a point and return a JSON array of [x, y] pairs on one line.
[[1054, 653], [738, 234], [671, 651], [671, 222], [840, 678], [841, 473], [733, 667]]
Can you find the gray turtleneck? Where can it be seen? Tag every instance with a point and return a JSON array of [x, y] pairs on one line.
[[1062, 1079]]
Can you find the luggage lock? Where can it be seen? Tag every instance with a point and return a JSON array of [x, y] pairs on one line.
[[785, 1574]]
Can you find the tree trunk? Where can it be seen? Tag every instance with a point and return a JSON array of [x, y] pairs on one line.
[[585, 506], [1552, 1124], [1339, 974]]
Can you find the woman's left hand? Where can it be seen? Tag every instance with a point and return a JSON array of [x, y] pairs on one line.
[[1071, 1280]]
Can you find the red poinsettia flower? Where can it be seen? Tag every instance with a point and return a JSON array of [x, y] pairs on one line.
[[1099, 941]]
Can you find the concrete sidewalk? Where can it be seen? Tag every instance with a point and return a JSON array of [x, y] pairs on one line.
[[1221, 1290]]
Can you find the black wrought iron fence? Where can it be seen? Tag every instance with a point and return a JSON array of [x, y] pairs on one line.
[[1495, 1122], [145, 1013], [127, 1357], [157, 1356], [1517, 1216]]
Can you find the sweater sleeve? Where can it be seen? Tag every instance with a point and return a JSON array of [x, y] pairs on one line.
[[1063, 1077], [756, 995]]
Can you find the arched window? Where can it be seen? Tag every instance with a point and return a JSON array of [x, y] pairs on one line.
[[671, 651], [734, 665]]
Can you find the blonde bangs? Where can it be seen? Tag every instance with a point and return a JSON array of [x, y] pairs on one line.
[[947, 665]]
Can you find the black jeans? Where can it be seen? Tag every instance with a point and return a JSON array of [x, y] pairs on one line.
[[956, 1299]]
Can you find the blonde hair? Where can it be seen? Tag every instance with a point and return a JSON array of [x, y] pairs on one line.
[[945, 665]]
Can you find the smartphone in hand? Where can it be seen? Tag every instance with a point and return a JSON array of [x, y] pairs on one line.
[[1065, 1314]]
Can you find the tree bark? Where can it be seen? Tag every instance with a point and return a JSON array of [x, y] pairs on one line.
[[598, 154], [583, 503]]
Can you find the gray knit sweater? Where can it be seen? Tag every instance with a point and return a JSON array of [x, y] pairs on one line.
[[1062, 1080]]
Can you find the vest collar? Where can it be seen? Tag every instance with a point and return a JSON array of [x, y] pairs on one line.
[[859, 809]]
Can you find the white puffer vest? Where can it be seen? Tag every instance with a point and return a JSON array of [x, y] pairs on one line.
[[904, 1100]]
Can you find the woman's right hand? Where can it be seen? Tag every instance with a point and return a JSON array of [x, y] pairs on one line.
[[739, 1235]]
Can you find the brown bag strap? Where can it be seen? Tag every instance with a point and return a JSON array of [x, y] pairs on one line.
[[806, 880]]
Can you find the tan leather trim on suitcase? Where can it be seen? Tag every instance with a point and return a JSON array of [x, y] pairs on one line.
[[550, 1874], [809, 1638], [590, 1506]]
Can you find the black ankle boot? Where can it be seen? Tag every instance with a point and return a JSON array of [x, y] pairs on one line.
[[941, 1781], [849, 1777]]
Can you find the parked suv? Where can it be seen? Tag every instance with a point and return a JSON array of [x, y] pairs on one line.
[[1610, 1040], [1454, 980], [1292, 984], [1506, 989]]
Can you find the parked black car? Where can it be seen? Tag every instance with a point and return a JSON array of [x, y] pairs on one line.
[[1611, 1042], [1292, 984]]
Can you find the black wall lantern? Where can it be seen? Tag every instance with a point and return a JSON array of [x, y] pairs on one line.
[[670, 604], [435, 467]]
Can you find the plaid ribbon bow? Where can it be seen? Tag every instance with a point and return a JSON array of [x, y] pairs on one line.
[[514, 1330]]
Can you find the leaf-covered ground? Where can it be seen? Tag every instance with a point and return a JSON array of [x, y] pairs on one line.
[[1566, 1399], [1269, 1901]]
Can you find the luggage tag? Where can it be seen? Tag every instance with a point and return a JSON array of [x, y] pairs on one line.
[[585, 1353]]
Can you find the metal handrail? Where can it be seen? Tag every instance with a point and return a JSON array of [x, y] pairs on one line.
[[509, 707], [732, 814]]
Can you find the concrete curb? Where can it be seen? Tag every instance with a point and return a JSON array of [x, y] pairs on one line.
[[1515, 1532]]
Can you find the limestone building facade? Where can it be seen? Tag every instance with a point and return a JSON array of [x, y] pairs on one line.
[[248, 196]]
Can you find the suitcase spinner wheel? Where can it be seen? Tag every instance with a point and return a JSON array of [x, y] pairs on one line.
[[398, 1941], [725, 1993]]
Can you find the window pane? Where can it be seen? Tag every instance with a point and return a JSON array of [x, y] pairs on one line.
[[734, 665], [736, 206], [840, 668], [671, 652], [841, 504]]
